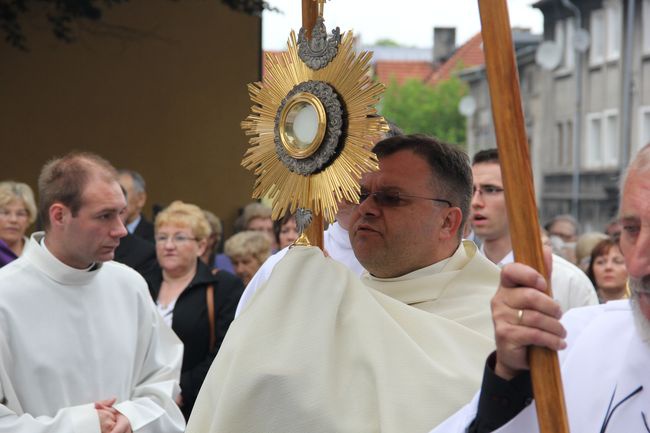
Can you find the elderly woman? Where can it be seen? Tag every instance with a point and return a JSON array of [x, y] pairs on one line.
[[197, 303], [247, 251], [17, 212], [608, 272]]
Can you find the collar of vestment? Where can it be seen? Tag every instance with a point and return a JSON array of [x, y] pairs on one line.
[[54, 268], [426, 284]]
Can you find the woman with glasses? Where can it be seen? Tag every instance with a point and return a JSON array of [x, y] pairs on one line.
[[197, 303], [17, 213], [608, 272]]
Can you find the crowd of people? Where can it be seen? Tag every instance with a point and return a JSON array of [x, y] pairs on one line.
[[135, 311]]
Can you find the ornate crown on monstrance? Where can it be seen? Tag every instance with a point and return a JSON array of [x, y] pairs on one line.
[[313, 123]]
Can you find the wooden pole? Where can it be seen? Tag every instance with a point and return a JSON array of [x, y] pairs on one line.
[[309, 14], [514, 157]]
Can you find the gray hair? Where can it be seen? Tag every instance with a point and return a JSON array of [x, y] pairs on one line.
[[138, 181]]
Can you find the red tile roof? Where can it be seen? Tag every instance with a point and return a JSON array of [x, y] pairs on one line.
[[467, 55], [401, 70]]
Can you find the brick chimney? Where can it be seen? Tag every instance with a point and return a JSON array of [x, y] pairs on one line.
[[444, 43]]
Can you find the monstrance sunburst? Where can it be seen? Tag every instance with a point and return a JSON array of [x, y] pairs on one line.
[[313, 123]]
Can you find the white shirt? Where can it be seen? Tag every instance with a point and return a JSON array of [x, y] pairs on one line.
[[71, 337], [570, 285]]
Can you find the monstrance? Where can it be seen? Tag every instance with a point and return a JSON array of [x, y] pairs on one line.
[[313, 124]]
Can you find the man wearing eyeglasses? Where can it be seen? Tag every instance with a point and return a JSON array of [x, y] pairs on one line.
[[82, 347], [489, 219], [318, 350], [407, 232]]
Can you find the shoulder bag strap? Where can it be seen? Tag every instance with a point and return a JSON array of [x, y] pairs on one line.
[[209, 300]]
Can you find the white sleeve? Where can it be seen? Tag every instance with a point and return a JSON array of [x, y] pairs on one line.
[[152, 408], [76, 419]]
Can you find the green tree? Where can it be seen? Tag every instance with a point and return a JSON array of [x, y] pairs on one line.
[[432, 110], [387, 43]]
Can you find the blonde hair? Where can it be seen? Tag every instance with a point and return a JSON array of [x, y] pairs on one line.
[[10, 191], [184, 214], [255, 210], [256, 244]]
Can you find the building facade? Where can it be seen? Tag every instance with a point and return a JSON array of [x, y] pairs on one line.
[[589, 115]]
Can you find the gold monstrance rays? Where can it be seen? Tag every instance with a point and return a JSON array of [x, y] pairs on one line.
[[347, 74]]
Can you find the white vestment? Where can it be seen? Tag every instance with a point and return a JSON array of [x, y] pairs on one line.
[[71, 337], [570, 285], [317, 351], [605, 361], [336, 242]]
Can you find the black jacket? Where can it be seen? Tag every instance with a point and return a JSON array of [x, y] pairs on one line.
[[144, 230], [138, 254], [190, 323]]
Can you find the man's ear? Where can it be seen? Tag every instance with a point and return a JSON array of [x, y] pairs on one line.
[[59, 213], [451, 223]]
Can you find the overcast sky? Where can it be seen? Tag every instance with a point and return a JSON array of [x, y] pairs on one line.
[[408, 22]]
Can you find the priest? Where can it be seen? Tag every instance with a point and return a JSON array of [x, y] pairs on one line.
[[82, 347], [319, 350]]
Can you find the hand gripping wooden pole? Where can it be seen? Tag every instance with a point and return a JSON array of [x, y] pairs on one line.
[[516, 171]]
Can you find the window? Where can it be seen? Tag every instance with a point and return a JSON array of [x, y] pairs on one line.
[[611, 138], [597, 32], [564, 33], [568, 148], [605, 28], [561, 143], [564, 137], [594, 150], [569, 49], [602, 144], [614, 29]]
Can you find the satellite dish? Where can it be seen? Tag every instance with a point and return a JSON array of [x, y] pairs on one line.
[[548, 55], [581, 40], [467, 106]]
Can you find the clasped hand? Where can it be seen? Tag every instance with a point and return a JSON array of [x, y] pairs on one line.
[[110, 420]]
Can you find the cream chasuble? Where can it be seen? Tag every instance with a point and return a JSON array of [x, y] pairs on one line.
[[317, 351]]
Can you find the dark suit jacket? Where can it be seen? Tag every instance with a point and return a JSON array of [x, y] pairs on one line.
[[191, 324], [144, 230], [138, 254]]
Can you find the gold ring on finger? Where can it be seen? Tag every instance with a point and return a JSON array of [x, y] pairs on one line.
[[520, 316]]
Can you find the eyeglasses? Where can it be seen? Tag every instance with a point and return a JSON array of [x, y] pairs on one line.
[[19, 214], [487, 190], [176, 239], [394, 199]]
